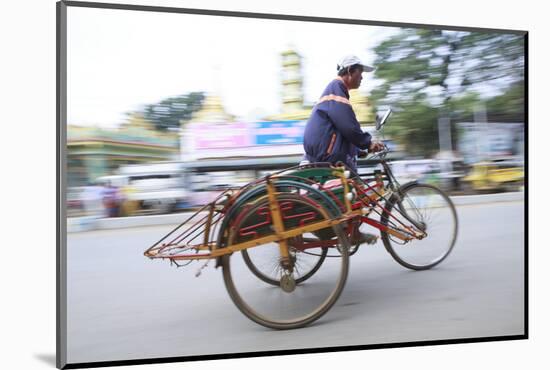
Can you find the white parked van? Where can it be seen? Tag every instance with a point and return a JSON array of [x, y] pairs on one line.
[[153, 188]]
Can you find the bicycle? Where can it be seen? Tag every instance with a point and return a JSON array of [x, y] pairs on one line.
[[289, 224]]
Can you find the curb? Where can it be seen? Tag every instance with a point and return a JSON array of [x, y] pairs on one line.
[[80, 224], [462, 200]]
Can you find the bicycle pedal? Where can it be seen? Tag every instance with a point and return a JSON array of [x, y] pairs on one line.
[[371, 239], [365, 238]]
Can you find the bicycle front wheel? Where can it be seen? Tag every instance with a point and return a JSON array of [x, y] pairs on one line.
[[428, 209]]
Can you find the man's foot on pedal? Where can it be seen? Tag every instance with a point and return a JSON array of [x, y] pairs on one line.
[[361, 238]]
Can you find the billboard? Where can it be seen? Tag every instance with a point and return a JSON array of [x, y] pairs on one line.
[[221, 135], [278, 132]]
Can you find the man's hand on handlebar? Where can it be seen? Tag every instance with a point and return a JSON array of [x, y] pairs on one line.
[[362, 154], [376, 146]]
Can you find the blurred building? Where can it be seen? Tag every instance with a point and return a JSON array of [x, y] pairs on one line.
[[93, 152], [479, 141], [212, 132]]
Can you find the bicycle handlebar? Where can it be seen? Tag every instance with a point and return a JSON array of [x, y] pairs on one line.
[[381, 153]]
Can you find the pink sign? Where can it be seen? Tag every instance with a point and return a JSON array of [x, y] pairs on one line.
[[221, 135]]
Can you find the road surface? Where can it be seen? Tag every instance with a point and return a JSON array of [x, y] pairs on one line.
[[123, 306]]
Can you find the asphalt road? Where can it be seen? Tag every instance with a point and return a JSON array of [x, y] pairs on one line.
[[122, 305]]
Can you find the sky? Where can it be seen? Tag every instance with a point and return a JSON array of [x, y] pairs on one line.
[[119, 60]]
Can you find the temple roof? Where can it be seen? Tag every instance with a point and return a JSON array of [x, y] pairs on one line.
[[212, 111]]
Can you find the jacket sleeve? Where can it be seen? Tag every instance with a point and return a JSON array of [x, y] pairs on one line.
[[343, 117]]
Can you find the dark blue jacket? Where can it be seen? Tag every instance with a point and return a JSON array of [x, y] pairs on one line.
[[332, 132]]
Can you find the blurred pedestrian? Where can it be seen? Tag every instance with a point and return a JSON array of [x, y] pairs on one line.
[[128, 205], [92, 198], [111, 200]]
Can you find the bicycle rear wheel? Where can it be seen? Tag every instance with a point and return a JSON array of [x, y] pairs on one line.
[[430, 210], [287, 305]]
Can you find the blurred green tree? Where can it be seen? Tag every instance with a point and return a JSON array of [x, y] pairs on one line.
[[168, 113], [415, 126], [431, 74], [508, 107]]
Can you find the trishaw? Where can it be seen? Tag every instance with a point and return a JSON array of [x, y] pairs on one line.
[[284, 241]]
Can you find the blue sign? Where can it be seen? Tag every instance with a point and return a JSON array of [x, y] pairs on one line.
[[279, 132]]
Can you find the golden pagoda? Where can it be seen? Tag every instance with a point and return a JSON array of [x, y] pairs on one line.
[[362, 108], [292, 93], [212, 111], [293, 107]]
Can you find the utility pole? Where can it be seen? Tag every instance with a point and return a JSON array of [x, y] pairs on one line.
[[482, 131], [444, 125]]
